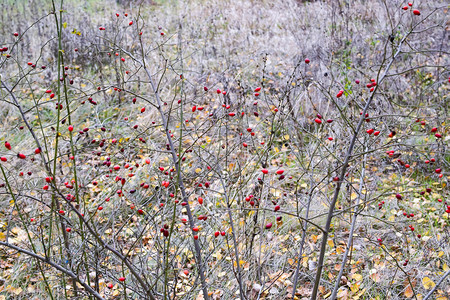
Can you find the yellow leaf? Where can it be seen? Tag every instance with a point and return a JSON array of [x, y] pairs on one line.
[[198, 170], [17, 291], [408, 292], [221, 274], [217, 255], [330, 243], [357, 277], [354, 287], [428, 283], [241, 262], [65, 25], [2, 236], [361, 293], [444, 267]]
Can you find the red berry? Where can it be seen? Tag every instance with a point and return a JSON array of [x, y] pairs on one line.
[[122, 279], [265, 171], [307, 61], [416, 12], [268, 225]]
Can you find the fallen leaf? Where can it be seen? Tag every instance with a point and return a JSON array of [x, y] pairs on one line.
[[408, 292], [428, 283]]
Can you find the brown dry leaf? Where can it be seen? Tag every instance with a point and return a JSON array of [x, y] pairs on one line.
[[199, 296], [375, 277], [322, 289], [342, 294], [408, 292]]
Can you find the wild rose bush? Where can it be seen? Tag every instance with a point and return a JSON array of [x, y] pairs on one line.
[[257, 154]]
